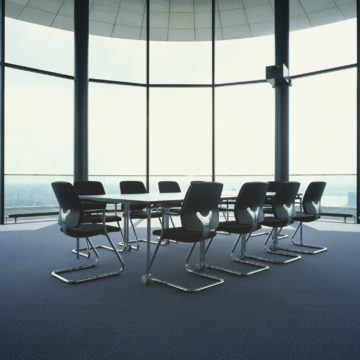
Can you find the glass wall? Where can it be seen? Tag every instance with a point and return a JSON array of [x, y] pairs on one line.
[[180, 135], [39, 109], [38, 46], [117, 133], [323, 47], [39, 112], [117, 59], [245, 139], [39, 136], [323, 135], [323, 107]]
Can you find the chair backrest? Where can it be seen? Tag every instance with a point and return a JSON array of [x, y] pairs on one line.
[[90, 188], [312, 198], [284, 200], [201, 198], [70, 206], [273, 186], [249, 204], [133, 187], [169, 187]]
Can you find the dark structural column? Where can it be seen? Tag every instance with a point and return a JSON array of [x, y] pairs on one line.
[[81, 33], [358, 116], [282, 91], [213, 88], [2, 117], [147, 95]]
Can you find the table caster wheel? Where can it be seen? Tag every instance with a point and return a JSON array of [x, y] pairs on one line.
[[145, 279], [199, 266]]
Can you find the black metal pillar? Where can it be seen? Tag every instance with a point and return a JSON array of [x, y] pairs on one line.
[[81, 33], [2, 108], [147, 95], [358, 115], [213, 88], [282, 91]]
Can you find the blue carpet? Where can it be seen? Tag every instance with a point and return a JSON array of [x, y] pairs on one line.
[[308, 309]]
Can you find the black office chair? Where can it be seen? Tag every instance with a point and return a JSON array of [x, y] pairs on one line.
[[311, 212], [71, 223], [137, 211], [273, 187], [92, 209], [171, 187], [284, 212], [249, 216], [199, 219]]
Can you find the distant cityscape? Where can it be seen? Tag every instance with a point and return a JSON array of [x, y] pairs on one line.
[[37, 192]]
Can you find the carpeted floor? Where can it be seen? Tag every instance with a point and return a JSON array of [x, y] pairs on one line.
[[309, 309]]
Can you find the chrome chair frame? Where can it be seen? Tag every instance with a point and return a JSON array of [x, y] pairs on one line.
[[71, 219], [200, 265], [78, 250], [318, 249], [284, 212], [127, 209]]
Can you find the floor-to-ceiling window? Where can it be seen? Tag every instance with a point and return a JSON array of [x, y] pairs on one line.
[[190, 125], [244, 112], [39, 113], [323, 111], [117, 103]]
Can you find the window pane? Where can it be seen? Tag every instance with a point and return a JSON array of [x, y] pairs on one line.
[[243, 59], [117, 59], [38, 46], [323, 132], [180, 133], [117, 130], [323, 47], [39, 116], [244, 132], [38, 137]]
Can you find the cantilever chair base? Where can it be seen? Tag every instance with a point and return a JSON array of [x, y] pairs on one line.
[[88, 254], [241, 259], [238, 273], [147, 279], [56, 273], [217, 281], [318, 249], [274, 261]]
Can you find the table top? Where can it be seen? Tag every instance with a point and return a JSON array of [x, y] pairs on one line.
[[149, 198]]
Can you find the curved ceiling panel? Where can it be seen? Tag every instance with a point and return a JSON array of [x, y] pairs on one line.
[[234, 18]]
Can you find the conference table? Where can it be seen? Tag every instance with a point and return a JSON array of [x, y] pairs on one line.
[[150, 200]]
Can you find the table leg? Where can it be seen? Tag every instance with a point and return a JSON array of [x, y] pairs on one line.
[[145, 279], [127, 247]]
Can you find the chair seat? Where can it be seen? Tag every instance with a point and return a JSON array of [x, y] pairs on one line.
[[95, 218], [179, 234], [268, 210], [274, 222], [141, 214], [175, 211], [86, 230], [236, 228], [305, 217]]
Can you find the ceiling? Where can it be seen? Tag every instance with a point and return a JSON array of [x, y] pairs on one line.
[[181, 20]]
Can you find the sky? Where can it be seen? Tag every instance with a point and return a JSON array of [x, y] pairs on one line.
[[39, 109]]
